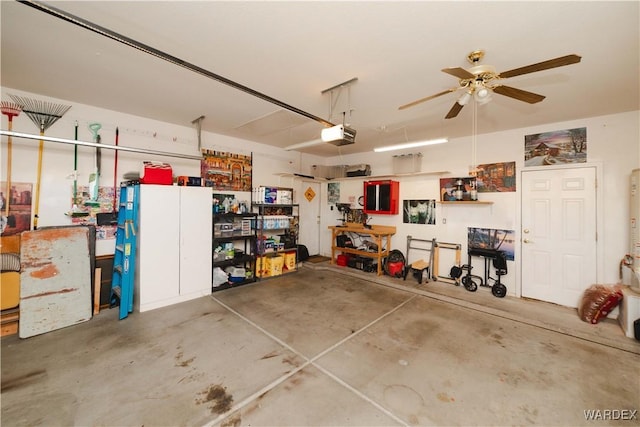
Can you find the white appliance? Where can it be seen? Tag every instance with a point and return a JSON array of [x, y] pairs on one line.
[[630, 307], [635, 229]]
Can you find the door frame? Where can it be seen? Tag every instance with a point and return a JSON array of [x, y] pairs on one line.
[[598, 165], [317, 221]]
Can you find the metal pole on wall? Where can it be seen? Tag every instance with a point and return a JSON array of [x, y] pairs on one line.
[[95, 145]]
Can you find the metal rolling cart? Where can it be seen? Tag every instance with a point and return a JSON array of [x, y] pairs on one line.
[[491, 256]]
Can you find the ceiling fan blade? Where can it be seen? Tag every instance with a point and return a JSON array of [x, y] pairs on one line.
[[454, 111], [545, 65], [519, 94], [419, 101], [458, 72]]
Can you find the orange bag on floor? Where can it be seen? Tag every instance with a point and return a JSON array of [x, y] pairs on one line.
[[598, 301]]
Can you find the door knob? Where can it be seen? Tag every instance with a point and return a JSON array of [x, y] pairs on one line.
[[526, 230], [527, 241]]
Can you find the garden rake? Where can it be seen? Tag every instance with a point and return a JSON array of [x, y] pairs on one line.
[[11, 110], [43, 114]]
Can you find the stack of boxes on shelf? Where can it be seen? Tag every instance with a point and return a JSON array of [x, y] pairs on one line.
[[233, 247], [272, 196], [276, 252]]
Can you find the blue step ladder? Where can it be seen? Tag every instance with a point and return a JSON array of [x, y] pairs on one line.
[[124, 261]]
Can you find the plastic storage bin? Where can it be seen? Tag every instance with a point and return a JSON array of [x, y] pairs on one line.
[[290, 260]]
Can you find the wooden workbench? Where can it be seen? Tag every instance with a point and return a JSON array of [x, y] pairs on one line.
[[381, 236]]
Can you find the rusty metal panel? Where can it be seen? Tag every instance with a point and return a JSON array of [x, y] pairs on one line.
[[55, 282]]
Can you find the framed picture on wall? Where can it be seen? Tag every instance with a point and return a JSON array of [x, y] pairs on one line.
[[492, 238], [226, 171], [419, 211], [556, 147], [456, 189], [17, 201], [496, 177]]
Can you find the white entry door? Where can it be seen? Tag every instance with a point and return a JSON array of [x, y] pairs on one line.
[[309, 234], [558, 234]]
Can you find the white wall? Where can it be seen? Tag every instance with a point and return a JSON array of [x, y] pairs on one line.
[[613, 145], [134, 131]]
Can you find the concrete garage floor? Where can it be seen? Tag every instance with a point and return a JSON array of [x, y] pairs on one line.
[[327, 346]]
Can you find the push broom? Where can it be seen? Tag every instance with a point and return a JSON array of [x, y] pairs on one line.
[[10, 110], [43, 114]]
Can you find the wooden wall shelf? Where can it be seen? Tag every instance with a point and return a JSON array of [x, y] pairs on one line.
[[390, 176], [467, 202], [366, 178]]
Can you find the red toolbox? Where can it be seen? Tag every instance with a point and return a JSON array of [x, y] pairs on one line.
[[342, 260], [156, 173]]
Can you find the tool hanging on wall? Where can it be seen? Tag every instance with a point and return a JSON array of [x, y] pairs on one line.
[[111, 218], [75, 209], [94, 177], [43, 114], [115, 175], [11, 110]]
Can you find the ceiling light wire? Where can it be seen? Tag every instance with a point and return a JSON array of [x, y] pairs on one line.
[[474, 132]]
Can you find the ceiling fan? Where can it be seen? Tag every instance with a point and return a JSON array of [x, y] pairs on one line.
[[480, 80]]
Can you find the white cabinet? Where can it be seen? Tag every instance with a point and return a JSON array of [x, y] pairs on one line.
[[173, 262], [629, 311]]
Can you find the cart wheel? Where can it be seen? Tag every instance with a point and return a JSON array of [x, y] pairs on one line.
[[499, 290], [469, 284], [114, 302]]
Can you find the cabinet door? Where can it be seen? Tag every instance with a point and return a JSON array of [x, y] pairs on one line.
[[195, 241], [381, 197], [158, 252]]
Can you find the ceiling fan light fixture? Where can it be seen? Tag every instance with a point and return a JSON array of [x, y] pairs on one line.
[[481, 93], [464, 98], [411, 145]]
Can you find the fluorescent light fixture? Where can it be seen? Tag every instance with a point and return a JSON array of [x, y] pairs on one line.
[[333, 133], [304, 144], [411, 145]]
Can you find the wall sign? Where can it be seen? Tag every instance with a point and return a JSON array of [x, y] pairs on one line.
[[309, 194]]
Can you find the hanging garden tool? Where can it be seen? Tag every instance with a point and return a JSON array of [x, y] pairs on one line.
[[75, 209], [10, 110], [115, 176], [111, 218], [94, 178], [43, 114]]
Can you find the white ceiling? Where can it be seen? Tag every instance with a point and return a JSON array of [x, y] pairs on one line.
[[293, 51]]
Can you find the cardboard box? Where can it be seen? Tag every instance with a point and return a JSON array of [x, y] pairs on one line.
[[290, 260], [275, 265], [190, 181]]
